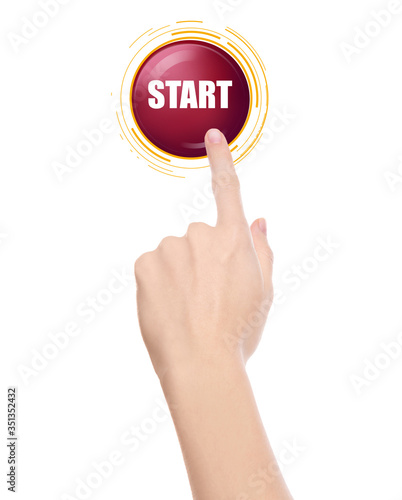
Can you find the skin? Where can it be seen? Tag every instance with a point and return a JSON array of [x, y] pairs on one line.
[[203, 300]]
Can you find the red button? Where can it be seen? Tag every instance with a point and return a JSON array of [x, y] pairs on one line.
[[185, 88]]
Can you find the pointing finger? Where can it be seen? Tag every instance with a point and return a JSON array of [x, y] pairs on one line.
[[225, 183]]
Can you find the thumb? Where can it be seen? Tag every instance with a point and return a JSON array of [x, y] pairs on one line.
[[264, 253]]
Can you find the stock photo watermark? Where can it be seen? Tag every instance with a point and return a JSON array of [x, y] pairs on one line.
[[279, 121], [3, 238], [393, 178], [298, 273], [86, 312], [258, 482], [88, 143], [373, 369], [224, 7], [364, 35], [130, 441], [12, 439], [32, 26], [291, 280]]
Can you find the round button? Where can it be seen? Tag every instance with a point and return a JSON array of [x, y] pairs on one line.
[[185, 88]]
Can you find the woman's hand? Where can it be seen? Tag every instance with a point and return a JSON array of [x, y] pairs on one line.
[[206, 295]]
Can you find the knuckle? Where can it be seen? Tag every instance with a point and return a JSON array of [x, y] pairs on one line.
[[267, 254], [169, 243], [142, 264], [226, 180], [270, 255], [196, 228]]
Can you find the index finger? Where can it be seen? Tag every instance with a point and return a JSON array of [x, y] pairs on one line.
[[225, 183]]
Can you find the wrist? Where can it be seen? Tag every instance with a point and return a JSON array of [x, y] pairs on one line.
[[201, 373]]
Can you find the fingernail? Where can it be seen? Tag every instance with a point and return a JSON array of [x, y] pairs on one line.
[[214, 136], [262, 224]]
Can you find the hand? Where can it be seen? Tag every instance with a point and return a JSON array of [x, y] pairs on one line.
[[204, 297]]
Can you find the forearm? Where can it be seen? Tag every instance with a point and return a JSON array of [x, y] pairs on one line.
[[224, 445]]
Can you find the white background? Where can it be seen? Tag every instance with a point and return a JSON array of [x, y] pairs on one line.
[[324, 174]]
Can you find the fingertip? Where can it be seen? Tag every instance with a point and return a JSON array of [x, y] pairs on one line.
[[262, 224], [259, 226], [214, 136]]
